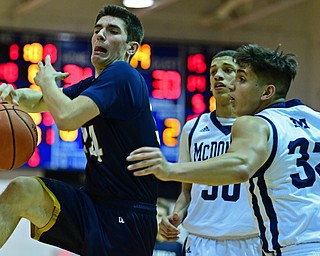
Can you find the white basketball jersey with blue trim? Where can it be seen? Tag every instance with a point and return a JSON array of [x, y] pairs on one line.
[[217, 212], [286, 190]]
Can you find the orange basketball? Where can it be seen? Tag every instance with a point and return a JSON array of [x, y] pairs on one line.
[[18, 137]]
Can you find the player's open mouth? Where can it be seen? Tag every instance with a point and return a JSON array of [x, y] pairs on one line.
[[98, 49], [219, 85]]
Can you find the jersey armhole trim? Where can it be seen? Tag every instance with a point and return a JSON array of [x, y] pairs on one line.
[[192, 131], [274, 148]]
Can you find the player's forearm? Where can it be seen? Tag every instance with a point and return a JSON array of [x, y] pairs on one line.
[[58, 104], [182, 203], [221, 170], [31, 100]]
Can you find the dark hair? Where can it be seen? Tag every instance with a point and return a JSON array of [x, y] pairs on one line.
[[133, 25], [224, 53], [270, 66]]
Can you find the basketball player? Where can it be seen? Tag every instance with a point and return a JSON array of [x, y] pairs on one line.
[[275, 145], [114, 213], [219, 220]]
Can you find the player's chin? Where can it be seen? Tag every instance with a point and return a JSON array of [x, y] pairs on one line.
[[96, 60]]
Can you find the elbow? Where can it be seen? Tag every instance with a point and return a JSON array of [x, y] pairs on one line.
[[243, 170], [66, 124], [63, 127], [242, 175]]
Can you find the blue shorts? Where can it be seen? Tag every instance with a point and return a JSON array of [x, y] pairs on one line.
[[96, 228]]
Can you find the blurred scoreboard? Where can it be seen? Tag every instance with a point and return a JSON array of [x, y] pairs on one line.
[[177, 75]]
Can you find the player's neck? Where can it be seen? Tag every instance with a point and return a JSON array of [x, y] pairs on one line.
[[225, 111]]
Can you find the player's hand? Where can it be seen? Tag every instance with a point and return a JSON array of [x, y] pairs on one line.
[[149, 160], [47, 73], [9, 94], [168, 227]]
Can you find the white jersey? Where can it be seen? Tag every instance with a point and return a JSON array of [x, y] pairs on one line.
[[215, 212], [286, 189]]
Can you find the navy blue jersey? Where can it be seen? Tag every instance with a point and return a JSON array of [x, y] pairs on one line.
[[125, 123]]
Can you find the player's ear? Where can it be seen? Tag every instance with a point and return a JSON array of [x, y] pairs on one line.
[[132, 48], [269, 92]]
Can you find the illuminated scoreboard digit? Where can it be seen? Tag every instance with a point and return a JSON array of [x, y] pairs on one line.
[[177, 76]]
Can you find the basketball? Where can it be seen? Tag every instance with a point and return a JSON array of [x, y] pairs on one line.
[[18, 137]]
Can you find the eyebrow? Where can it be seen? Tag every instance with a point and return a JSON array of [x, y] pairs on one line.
[[223, 64], [239, 70], [108, 26]]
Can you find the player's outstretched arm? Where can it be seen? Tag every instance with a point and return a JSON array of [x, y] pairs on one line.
[[247, 153], [26, 98]]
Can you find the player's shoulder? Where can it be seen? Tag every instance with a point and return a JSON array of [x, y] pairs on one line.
[[120, 72], [192, 122], [120, 67], [249, 123], [247, 120], [121, 63]]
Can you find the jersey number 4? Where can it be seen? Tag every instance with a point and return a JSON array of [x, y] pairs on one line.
[[88, 135], [310, 172]]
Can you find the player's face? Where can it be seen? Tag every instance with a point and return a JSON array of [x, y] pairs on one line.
[[222, 72], [109, 42], [245, 92]]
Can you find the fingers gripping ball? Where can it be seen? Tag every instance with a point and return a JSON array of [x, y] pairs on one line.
[[18, 137]]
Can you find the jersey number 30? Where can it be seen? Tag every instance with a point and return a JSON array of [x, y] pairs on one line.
[[225, 193]]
